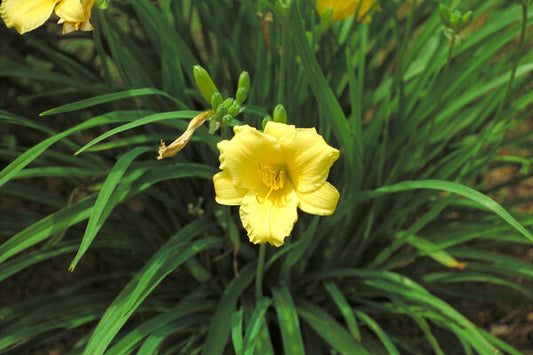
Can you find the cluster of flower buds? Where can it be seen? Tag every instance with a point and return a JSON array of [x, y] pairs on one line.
[[454, 21], [280, 115], [224, 110], [102, 4]]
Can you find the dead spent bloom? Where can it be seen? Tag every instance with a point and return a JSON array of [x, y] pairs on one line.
[[181, 141]]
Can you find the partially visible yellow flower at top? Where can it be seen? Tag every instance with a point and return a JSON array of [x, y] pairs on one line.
[[27, 15], [342, 9], [271, 174]]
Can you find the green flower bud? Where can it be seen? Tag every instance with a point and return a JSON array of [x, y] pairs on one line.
[[244, 81], [222, 110], [216, 100], [265, 121], [455, 19], [226, 120], [243, 87], [235, 109], [228, 102], [204, 82], [445, 14], [213, 126], [102, 4], [280, 114], [467, 18], [241, 95]]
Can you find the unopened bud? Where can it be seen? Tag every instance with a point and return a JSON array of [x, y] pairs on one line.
[[467, 18], [235, 109], [102, 4], [265, 121], [204, 82], [222, 110], [445, 14], [244, 81], [280, 114], [241, 95], [216, 100], [226, 120]]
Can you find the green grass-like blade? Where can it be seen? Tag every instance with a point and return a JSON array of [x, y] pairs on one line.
[[322, 91], [453, 187], [137, 123], [288, 322], [257, 320], [219, 331], [102, 99], [110, 183], [331, 331], [27, 157], [170, 256], [344, 308], [46, 227], [380, 333], [236, 330]]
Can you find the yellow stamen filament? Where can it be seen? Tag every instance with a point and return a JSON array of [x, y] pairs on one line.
[[273, 177]]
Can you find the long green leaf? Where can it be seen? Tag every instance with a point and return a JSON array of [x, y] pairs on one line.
[[331, 331], [288, 322], [32, 153], [483, 200], [219, 330], [96, 218], [137, 123], [170, 256], [98, 100]]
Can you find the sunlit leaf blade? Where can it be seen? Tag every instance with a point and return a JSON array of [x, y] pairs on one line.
[[98, 100], [331, 331], [236, 330], [170, 256], [288, 322], [32, 153], [380, 333], [344, 308], [255, 323], [112, 180], [453, 187], [46, 227], [219, 331], [182, 310], [137, 123]]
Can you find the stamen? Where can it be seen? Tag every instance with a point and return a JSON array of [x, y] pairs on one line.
[[273, 177]]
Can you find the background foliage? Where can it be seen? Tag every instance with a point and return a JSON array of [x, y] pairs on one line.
[[159, 267]]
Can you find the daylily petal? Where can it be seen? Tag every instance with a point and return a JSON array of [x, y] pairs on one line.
[[265, 221], [322, 201], [278, 130], [226, 193], [26, 15], [307, 158], [71, 11], [240, 157]]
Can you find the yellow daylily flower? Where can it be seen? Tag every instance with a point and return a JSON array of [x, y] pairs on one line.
[[27, 15], [342, 9], [271, 174]]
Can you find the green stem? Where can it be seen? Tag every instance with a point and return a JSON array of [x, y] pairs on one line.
[[259, 274]]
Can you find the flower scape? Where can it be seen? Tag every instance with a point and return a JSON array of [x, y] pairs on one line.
[[273, 173]]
